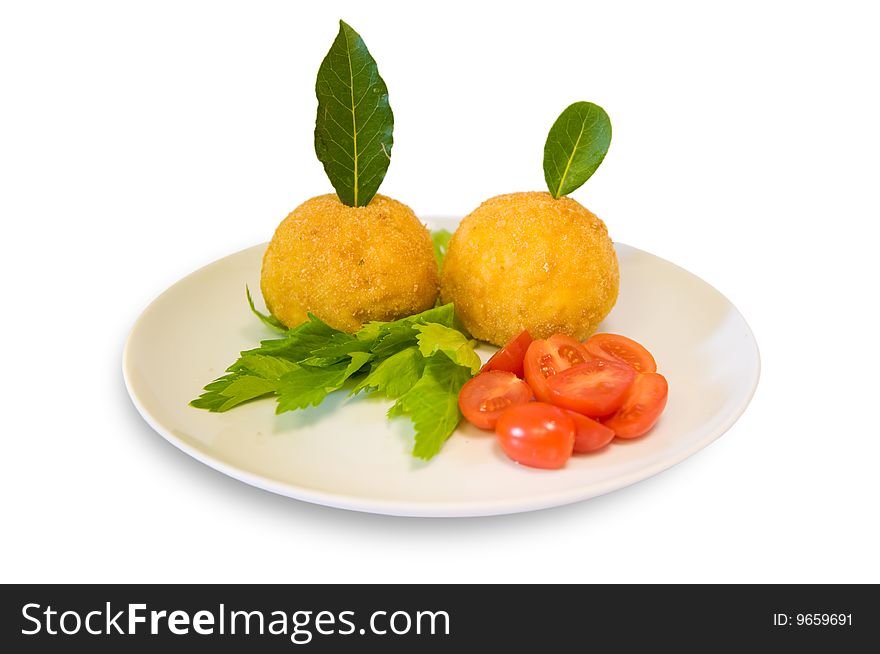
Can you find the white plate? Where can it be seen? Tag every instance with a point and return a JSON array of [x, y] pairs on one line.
[[346, 454]]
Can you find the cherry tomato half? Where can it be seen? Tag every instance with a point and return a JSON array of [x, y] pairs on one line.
[[536, 434], [589, 435], [510, 357], [641, 407], [547, 358], [595, 388], [614, 347], [484, 398]]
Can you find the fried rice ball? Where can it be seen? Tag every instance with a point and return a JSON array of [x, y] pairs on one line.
[[349, 265], [527, 261]]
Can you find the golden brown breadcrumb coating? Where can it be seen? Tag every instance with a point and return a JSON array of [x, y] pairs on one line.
[[349, 265], [527, 261]]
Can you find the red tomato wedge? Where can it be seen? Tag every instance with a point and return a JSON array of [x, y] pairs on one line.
[[589, 435], [510, 357], [642, 406], [536, 434], [614, 347], [547, 358], [486, 396], [595, 388]]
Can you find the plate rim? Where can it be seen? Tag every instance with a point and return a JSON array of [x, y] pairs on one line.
[[442, 509]]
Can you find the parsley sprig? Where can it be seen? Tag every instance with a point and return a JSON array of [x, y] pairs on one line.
[[421, 362]]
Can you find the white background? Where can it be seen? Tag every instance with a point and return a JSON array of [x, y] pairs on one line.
[[139, 141]]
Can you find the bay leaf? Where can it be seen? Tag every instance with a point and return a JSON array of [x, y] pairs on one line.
[[575, 147], [354, 125]]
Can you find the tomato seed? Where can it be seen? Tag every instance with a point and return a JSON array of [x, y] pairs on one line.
[[494, 404], [571, 354], [546, 366]]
